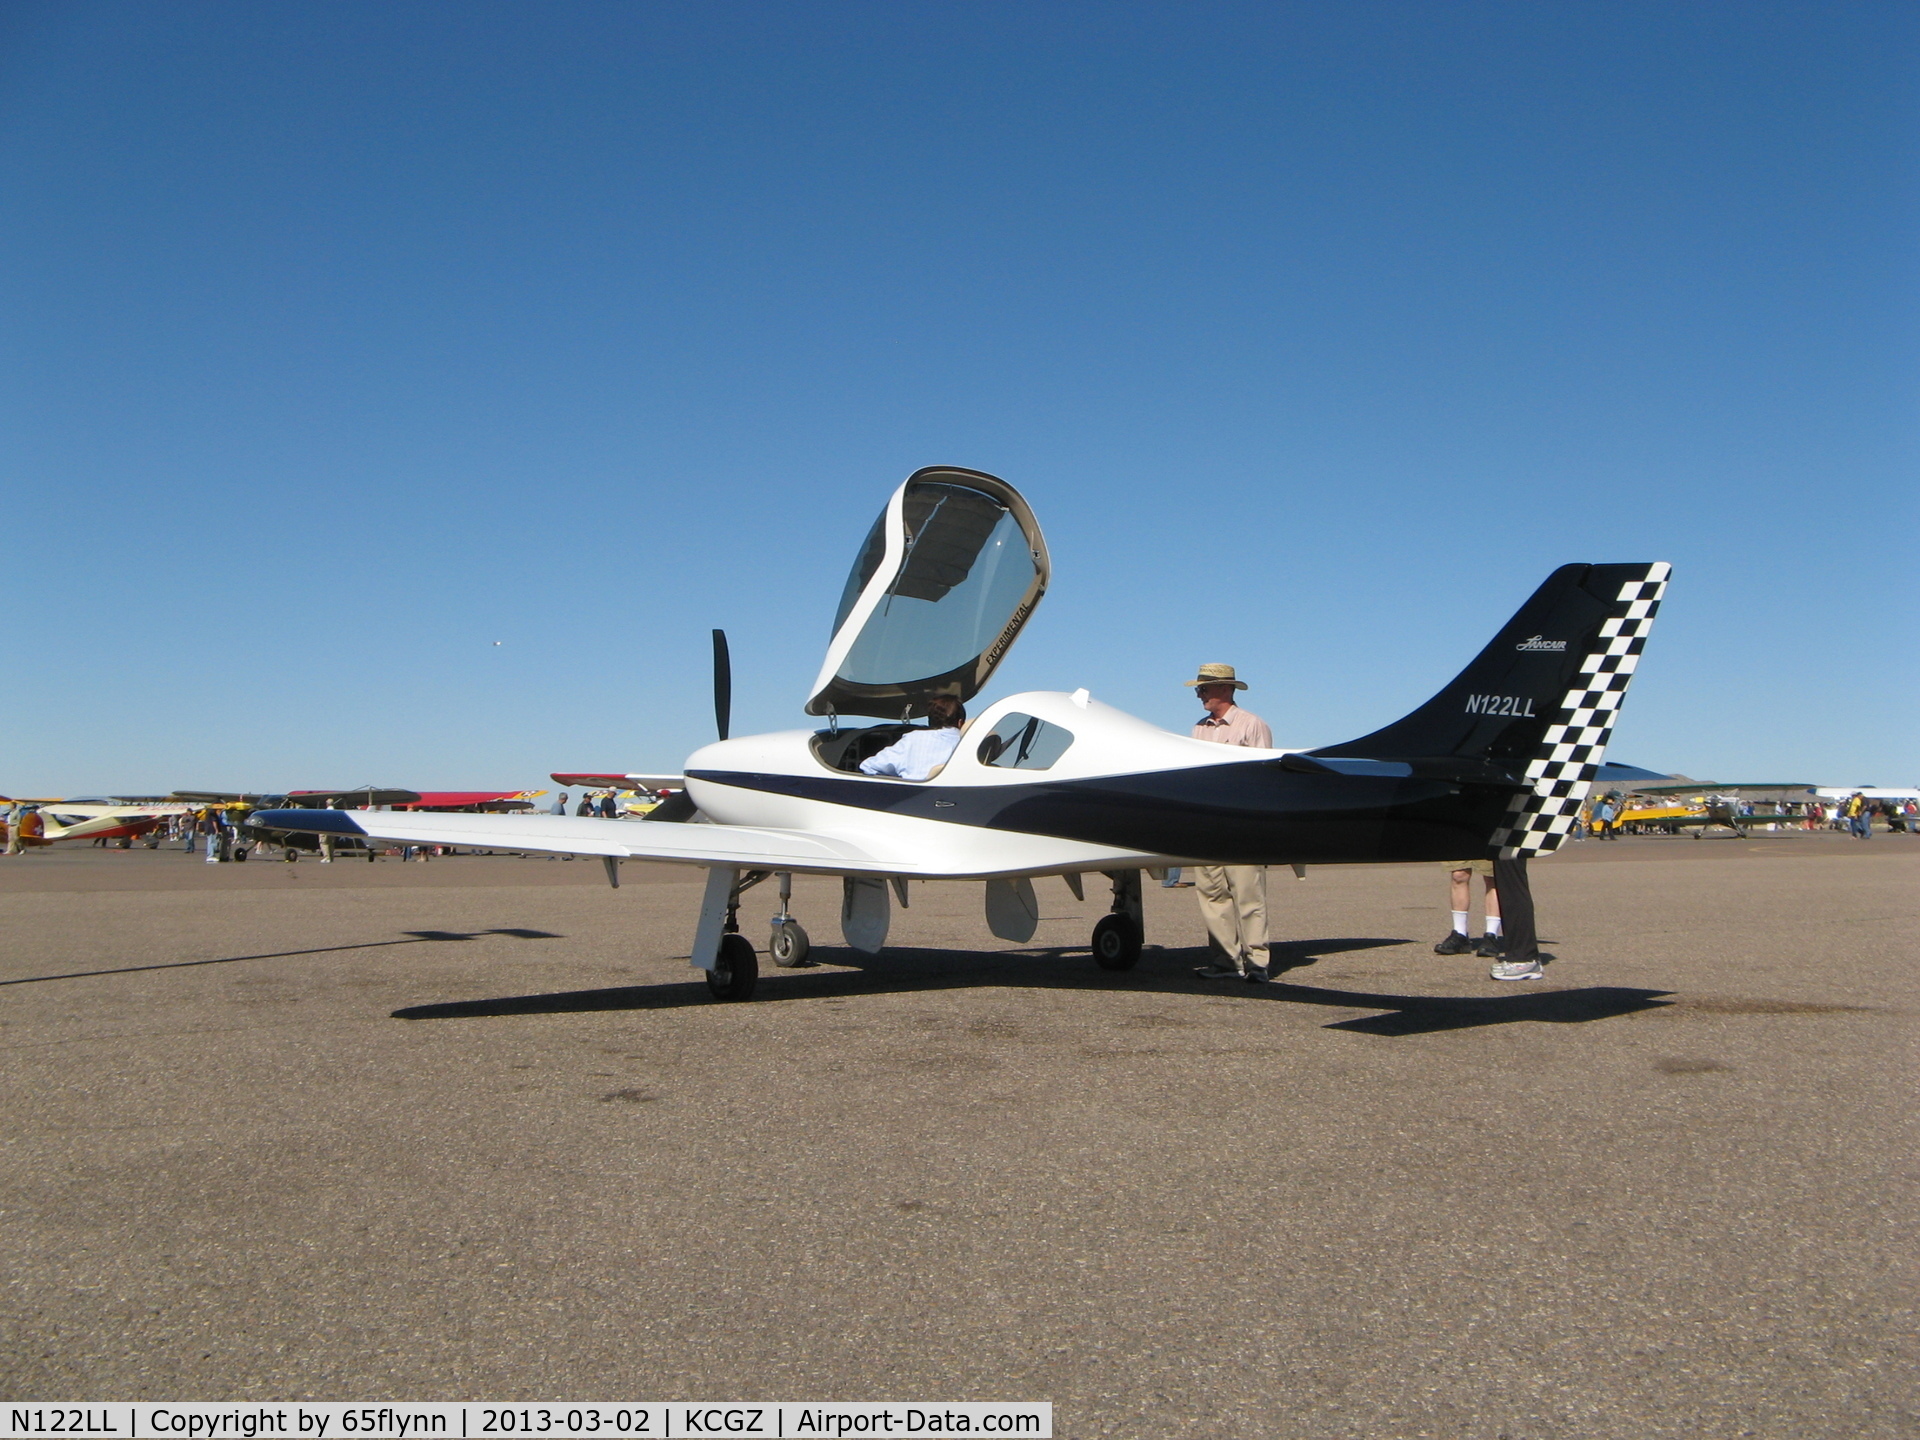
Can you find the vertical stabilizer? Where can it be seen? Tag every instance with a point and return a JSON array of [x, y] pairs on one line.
[[1540, 701], [1576, 740]]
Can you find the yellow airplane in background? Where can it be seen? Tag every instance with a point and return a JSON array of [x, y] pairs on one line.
[[50, 822]]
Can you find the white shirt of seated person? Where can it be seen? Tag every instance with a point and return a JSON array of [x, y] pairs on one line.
[[918, 753]]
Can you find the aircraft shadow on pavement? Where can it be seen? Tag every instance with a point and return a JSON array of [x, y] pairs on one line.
[[408, 937], [905, 970]]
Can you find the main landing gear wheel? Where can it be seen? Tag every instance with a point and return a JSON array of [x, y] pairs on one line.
[[1116, 943], [736, 970], [789, 945]]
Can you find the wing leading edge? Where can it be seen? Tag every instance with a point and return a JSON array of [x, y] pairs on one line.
[[738, 846]]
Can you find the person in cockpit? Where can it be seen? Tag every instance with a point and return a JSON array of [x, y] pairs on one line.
[[918, 753]]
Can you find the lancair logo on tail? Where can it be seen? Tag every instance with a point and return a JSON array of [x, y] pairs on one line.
[[1537, 644]]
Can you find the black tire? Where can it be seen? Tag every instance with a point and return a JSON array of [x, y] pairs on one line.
[[1116, 943], [736, 969], [789, 946]]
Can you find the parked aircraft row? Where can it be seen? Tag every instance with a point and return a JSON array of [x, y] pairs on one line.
[[47, 821], [1701, 806]]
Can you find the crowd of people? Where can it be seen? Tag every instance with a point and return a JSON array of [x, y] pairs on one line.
[[607, 805], [1856, 815]]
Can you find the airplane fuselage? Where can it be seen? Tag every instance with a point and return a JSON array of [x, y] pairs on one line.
[[65, 821], [1121, 793]]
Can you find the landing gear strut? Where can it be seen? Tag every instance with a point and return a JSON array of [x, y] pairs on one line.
[[789, 944], [1119, 935], [736, 969]]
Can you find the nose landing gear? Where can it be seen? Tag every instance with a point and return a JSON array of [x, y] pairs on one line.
[[789, 944]]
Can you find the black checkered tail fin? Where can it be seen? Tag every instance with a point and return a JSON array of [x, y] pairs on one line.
[[1535, 709]]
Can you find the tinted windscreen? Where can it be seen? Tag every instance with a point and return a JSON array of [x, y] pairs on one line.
[[966, 569], [1024, 742], [871, 554]]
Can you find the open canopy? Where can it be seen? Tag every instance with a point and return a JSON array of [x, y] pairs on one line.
[[948, 576]]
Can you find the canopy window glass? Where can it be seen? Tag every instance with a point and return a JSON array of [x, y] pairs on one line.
[[946, 578], [1024, 742]]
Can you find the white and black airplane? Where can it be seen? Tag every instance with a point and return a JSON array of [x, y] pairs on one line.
[[1048, 783]]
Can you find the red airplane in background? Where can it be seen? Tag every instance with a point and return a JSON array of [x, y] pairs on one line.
[[491, 801]]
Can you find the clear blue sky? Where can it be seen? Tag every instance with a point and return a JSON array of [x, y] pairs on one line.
[[340, 341]]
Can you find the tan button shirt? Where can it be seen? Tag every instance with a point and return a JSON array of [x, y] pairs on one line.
[[1236, 727]]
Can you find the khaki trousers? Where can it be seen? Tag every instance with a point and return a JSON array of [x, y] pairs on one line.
[[1233, 902]]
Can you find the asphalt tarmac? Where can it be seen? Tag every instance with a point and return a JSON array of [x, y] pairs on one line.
[[473, 1130]]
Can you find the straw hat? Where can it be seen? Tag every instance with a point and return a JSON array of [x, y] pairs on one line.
[[1216, 675]]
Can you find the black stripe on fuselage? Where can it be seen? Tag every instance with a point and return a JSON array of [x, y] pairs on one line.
[[1254, 813]]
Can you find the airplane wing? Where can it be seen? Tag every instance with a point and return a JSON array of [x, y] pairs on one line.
[[1711, 787], [365, 795], [738, 846], [614, 780], [1613, 772], [462, 799]]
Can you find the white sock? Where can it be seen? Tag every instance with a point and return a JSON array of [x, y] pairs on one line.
[[1460, 922], [1493, 924]]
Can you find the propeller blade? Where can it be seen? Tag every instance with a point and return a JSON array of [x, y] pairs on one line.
[[722, 684]]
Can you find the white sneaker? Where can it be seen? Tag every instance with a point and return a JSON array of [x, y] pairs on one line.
[[1518, 970]]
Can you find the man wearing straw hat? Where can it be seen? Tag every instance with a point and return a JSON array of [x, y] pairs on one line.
[[1233, 898]]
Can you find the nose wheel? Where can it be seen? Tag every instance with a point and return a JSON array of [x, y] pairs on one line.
[[789, 945]]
